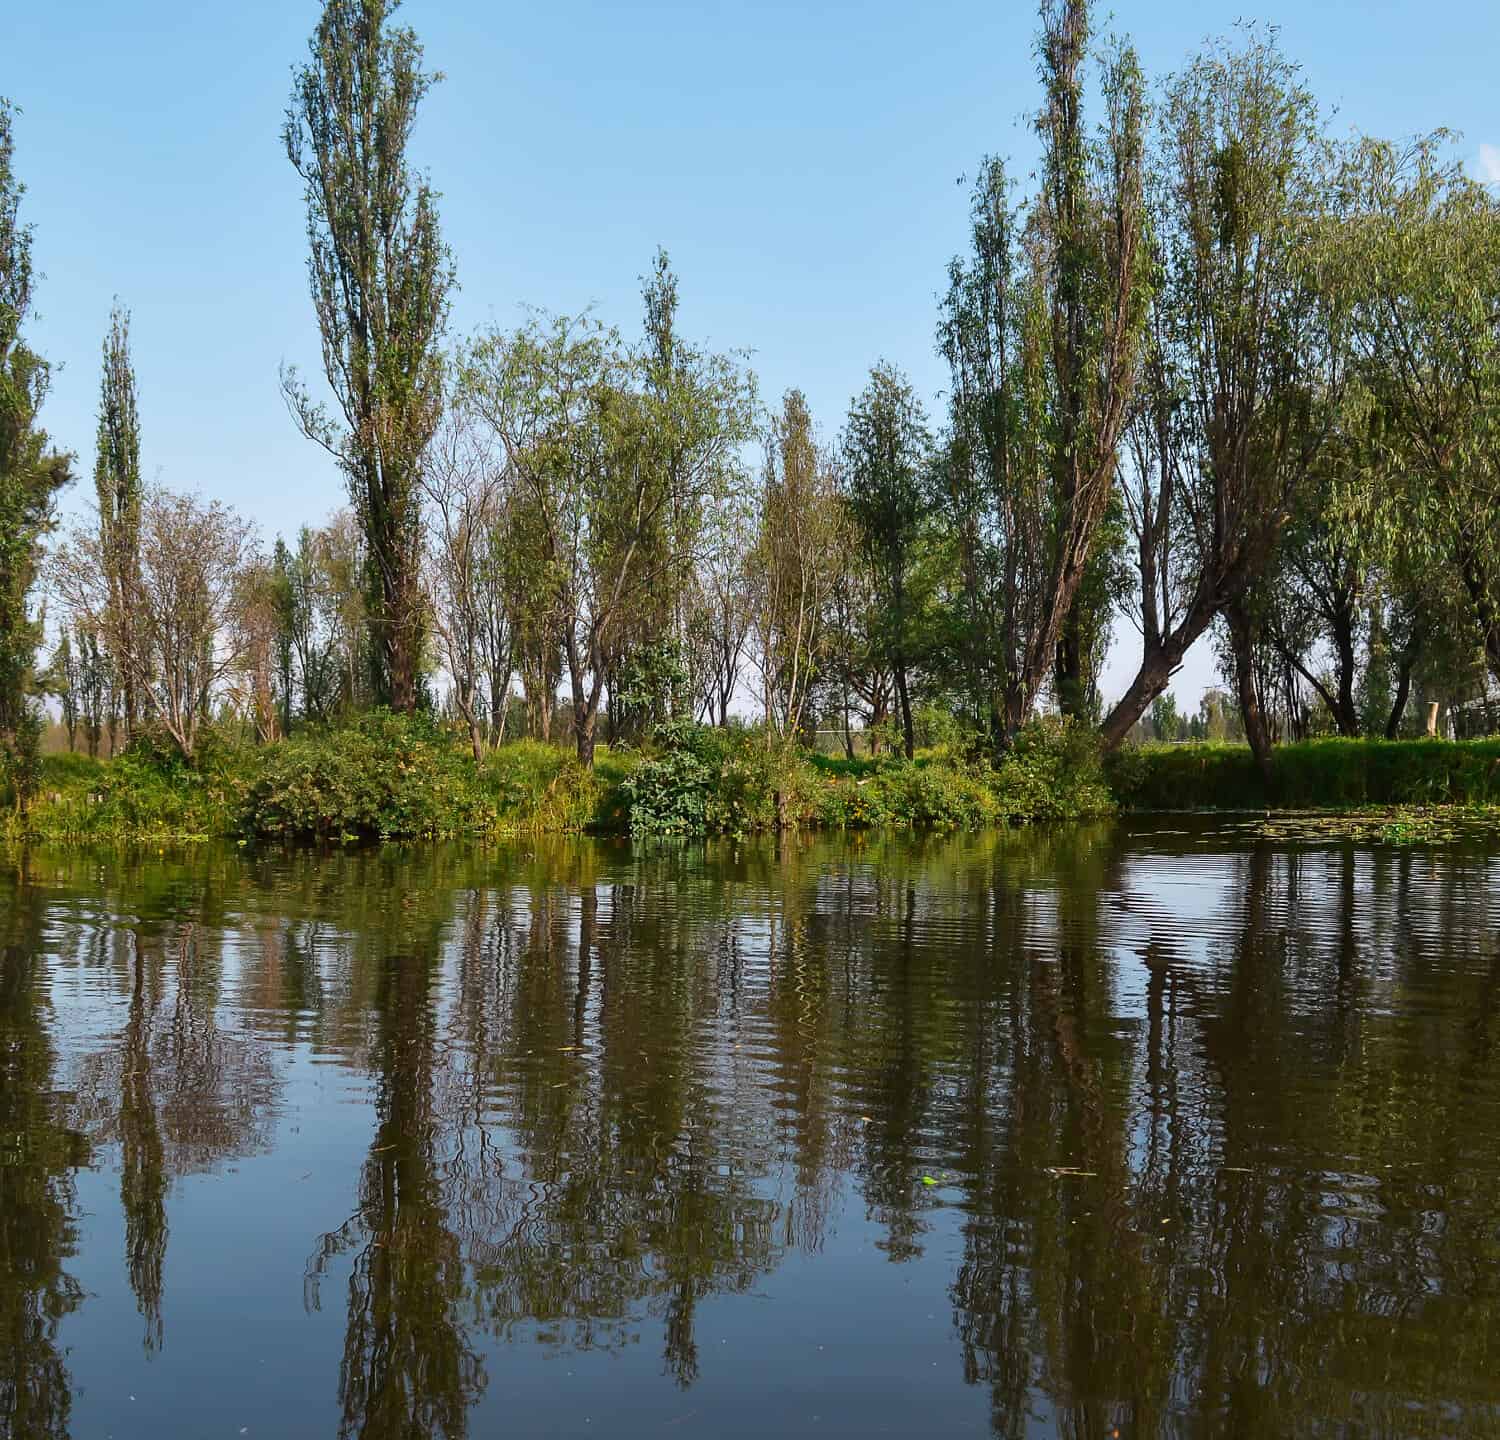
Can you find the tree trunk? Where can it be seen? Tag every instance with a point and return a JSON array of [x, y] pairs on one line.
[[402, 672], [1068, 676], [903, 695], [1486, 610], [1346, 715], [1403, 692], [583, 733], [1150, 681], [1159, 662], [1257, 730]]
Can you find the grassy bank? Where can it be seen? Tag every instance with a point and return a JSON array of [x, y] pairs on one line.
[[385, 777]]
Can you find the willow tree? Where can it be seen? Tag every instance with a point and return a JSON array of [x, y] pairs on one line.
[[1420, 254], [31, 473], [1042, 331], [380, 279], [117, 484], [1243, 366]]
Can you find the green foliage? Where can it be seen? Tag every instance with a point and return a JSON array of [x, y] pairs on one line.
[[30, 475], [20, 759], [1330, 774], [385, 776], [380, 278], [711, 781], [706, 780], [538, 787], [668, 794], [148, 793], [1053, 770]]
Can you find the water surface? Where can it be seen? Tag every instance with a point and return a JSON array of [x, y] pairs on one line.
[[1079, 1132]]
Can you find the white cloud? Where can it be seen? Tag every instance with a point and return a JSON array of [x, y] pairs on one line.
[[1487, 167]]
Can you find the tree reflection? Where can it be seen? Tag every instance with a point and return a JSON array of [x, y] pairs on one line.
[[408, 1368], [176, 1090], [37, 1157], [1213, 1121]]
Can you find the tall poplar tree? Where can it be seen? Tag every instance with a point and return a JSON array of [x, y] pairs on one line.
[[30, 475], [380, 277], [887, 451], [1042, 329], [117, 481], [1091, 224]]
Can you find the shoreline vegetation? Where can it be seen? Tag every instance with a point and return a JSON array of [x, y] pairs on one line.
[[392, 777]]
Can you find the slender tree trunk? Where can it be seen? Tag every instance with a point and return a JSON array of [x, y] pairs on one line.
[[584, 716], [1347, 712], [1257, 730], [585, 701], [1068, 677], [1403, 691], [903, 697]]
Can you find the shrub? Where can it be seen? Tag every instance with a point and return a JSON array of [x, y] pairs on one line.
[[148, 792], [668, 793], [532, 785], [1053, 771], [385, 775]]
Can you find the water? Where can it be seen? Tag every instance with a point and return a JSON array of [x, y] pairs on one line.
[[1082, 1132]]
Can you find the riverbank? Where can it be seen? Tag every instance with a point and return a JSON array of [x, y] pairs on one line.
[[386, 777]]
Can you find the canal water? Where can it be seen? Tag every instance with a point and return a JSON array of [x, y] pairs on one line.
[[1085, 1132]]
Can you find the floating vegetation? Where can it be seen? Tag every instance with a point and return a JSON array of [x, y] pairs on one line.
[[1386, 825]]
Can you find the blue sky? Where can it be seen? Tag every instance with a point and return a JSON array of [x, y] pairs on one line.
[[799, 162]]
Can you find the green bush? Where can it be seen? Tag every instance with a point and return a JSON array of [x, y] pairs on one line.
[[386, 775], [532, 785], [931, 796], [1053, 771], [148, 793], [667, 794]]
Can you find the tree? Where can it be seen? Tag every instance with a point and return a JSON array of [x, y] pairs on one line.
[[617, 461], [859, 679], [1166, 723], [1042, 333], [796, 566], [886, 452], [192, 631], [465, 494], [31, 473], [262, 670], [117, 486], [1243, 364], [720, 611], [380, 279], [93, 684], [560, 403], [991, 488], [64, 683], [1419, 253], [1092, 227]]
